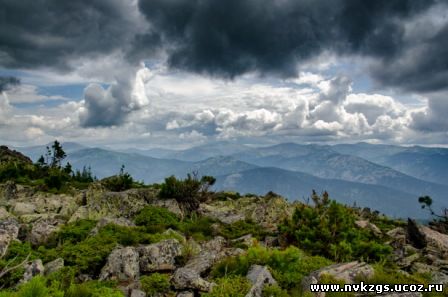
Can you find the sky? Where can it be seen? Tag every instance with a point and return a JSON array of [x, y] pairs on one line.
[[178, 73]]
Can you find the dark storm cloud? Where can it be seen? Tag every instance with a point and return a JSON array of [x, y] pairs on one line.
[[8, 81], [227, 38], [232, 37], [49, 33]]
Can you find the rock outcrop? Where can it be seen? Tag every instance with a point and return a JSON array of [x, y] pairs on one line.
[[122, 265], [54, 266], [8, 155], [260, 277], [42, 230], [159, 256], [435, 243]]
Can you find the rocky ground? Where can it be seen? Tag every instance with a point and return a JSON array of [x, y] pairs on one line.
[[27, 215]]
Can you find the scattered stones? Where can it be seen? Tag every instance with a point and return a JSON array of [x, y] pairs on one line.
[[122, 265], [159, 256], [259, 276]]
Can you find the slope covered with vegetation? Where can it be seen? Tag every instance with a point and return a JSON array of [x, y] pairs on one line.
[[65, 233]]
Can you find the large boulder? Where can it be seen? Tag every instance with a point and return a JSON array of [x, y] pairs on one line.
[[267, 211], [9, 231], [54, 266], [347, 272], [33, 269], [24, 208], [159, 256], [122, 265], [211, 252], [186, 278], [434, 242], [97, 202], [42, 230], [260, 277], [189, 276]]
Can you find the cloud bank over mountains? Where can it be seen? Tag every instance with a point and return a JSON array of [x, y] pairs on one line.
[[167, 71]]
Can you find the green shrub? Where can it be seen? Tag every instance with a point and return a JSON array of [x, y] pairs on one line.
[[198, 227], [288, 266], [243, 227], [117, 183], [92, 289], [231, 286], [188, 192], [274, 291], [329, 229], [16, 254], [36, 287], [155, 284], [72, 232], [156, 219]]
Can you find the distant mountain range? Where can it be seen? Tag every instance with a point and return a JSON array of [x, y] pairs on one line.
[[383, 177]]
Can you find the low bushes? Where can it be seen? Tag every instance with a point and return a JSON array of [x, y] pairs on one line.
[[329, 229], [288, 266]]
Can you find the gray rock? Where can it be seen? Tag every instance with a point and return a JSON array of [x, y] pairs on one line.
[[434, 242], [24, 208], [10, 190], [110, 220], [9, 231], [211, 252], [364, 224], [32, 269], [170, 204], [186, 278], [439, 277], [42, 230], [259, 276], [346, 272], [54, 266], [247, 240], [159, 256], [271, 241], [4, 214], [407, 261], [122, 265], [137, 293]]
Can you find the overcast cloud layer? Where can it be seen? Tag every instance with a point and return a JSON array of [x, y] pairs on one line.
[[168, 71]]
